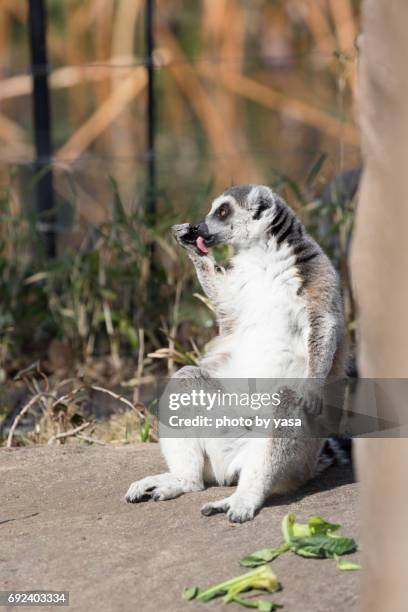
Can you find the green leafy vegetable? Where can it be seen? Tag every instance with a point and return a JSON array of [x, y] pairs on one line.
[[259, 557], [315, 525], [316, 539], [348, 566], [287, 526], [190, 593], [318, 525], [322, 546], [260, 578], [300, 530], [258, 604]]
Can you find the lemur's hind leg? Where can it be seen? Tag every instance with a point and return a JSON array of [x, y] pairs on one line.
[[184, 457], [269, 465]]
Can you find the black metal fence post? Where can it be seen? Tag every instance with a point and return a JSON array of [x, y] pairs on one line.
[[42, 124], [151, 112]]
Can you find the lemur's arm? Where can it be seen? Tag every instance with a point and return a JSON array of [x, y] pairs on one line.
[[323, 343], [207, 273]]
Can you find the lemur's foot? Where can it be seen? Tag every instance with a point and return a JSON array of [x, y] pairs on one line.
[[159, 488], [237, 507]]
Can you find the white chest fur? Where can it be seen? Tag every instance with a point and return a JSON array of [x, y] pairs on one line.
[[269, 322]]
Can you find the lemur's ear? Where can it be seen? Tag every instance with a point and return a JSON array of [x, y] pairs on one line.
[[261, 205]]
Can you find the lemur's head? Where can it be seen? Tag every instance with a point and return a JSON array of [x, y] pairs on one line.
[[240, 216]]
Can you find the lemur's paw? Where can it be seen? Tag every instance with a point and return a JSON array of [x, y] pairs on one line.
[[180, 231], [241, 511], [237, 509], [158, 488], [186, 236], [215, 507]]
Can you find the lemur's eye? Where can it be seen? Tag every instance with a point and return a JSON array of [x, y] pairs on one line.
[[223, 211]]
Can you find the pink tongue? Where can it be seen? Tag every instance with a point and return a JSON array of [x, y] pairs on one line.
[[201, 245]]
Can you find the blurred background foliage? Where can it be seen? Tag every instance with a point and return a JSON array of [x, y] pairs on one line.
[[247, 91]]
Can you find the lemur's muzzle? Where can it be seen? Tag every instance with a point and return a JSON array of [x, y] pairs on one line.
[[202, 230], [199, 235], [205, 238]]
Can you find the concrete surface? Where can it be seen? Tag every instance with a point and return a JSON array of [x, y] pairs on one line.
[[64, 525]]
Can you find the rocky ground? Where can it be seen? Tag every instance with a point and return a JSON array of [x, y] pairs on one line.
[[64, 526]]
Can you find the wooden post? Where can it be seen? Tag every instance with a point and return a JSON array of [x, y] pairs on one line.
[[380, 279]]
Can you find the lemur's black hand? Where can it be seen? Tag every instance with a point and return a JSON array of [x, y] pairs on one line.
[[187, 236]]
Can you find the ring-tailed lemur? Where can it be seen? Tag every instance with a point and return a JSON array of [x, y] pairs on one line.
[[280, 313]]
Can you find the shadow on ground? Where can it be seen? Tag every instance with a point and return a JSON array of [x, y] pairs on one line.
[[336, 476]]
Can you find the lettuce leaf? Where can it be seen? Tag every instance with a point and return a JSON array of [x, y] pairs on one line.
[[259, 557], [322, 546]]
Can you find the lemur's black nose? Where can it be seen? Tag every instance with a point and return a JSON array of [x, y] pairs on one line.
[[202, 230]]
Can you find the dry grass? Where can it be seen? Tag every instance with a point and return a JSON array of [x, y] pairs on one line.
[[60, 414]]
